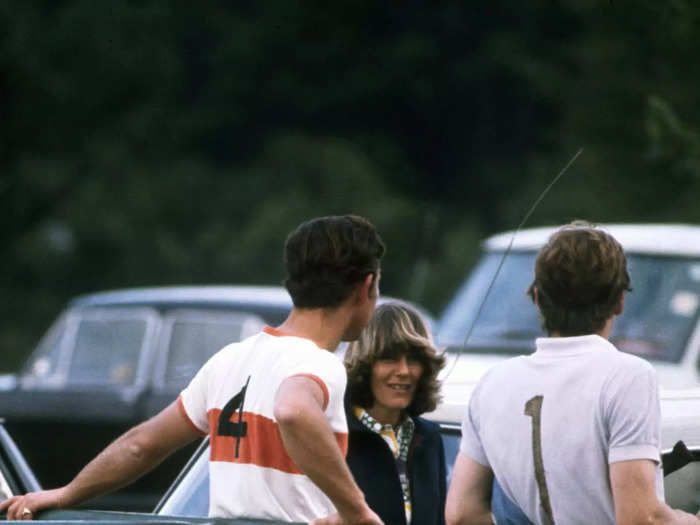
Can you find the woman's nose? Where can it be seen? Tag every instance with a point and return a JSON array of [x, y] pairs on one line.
[[402, 365]]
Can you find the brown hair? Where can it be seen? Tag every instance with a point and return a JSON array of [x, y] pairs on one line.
[[395, 328], [325, 258], [580, 275]]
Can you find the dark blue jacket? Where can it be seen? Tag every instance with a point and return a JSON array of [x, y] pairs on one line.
[[374, 468]]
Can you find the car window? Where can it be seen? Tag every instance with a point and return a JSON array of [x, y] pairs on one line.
[[43, 364], [106, 351], [190, 338], [508, 321], [190, 494], [5, 491], [92, 346], [450, 441], [659, 317]]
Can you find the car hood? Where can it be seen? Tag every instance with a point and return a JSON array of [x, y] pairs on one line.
[[675, 376], [460, 375]]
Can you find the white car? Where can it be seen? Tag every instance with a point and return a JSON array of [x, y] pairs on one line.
[[660, 322]]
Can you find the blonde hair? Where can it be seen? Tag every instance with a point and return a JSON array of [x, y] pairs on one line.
[[394, 329]]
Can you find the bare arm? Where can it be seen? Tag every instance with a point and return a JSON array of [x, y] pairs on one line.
[[310, 442], [469, 497], [130, 456], [635, 498]]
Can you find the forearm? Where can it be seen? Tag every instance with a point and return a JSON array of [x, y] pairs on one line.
[[129, 457], [123, 461], [633, 488], [469, 496]]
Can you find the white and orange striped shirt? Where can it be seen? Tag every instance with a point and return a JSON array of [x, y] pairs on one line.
[[232, 400]]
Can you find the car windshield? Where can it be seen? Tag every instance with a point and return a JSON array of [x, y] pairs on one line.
[[659, 317]]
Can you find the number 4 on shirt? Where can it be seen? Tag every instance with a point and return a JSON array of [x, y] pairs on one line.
[[237, 429]]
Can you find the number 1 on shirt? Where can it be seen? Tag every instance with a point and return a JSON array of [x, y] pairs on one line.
[[533, 408]]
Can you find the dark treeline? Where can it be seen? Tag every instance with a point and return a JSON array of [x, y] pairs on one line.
[[151, 142]]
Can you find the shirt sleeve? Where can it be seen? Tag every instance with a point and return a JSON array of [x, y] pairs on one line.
[[193, 399], [329, 373], [470, 444], [633, 418]]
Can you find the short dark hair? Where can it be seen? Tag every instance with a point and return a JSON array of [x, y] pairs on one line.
[[579, 276], [395, 328], [327, 257]]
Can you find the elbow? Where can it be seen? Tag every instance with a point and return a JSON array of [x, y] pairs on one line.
[[453, 516], [450, 519], [287, 414], [456, 516], [659, 515], [139, 448]]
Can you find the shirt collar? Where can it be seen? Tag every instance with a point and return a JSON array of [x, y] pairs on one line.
[[279, 333], [570, 346], [375, 426]]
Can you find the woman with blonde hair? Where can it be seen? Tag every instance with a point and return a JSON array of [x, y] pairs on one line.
[[396, 457]]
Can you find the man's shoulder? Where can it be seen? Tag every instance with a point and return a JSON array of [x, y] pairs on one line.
[[507, 368], [621, 365]]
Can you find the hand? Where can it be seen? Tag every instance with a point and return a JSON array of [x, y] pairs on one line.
[[26, 507], [369, 518]]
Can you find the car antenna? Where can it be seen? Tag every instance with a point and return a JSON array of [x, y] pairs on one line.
[[505, 254]]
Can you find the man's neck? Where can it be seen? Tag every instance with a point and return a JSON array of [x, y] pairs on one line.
[[603, 332], [323, 326]]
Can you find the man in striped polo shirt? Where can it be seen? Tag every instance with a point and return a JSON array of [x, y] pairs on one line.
[[271, 404]]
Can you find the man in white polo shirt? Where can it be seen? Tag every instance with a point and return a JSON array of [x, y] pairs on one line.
[[571, 433], [271, 404]]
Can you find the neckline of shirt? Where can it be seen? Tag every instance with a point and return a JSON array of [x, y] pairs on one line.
[[279, 333], [569, 346]]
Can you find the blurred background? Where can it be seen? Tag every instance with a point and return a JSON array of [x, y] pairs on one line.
[[152, 142]]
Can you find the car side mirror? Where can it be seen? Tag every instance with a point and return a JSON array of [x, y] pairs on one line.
[[679, 457]]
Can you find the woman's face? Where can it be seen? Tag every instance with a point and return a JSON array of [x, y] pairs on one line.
[[393, 385]]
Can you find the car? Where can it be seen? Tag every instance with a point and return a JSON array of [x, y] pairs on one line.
[[660, 321], [112, 359], [187, 499]]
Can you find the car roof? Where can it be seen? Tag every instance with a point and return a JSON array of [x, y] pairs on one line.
[[662, 239], [273, 297]]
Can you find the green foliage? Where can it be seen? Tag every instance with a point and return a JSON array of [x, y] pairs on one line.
[[148, 142]]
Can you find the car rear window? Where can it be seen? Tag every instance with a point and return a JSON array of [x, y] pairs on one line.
[[192, 337], [106, 351]]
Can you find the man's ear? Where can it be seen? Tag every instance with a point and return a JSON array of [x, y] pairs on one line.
[[368, 288], [535, 296]]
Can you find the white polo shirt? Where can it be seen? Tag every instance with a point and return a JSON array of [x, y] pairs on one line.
[[549, 424], [232, 399]]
